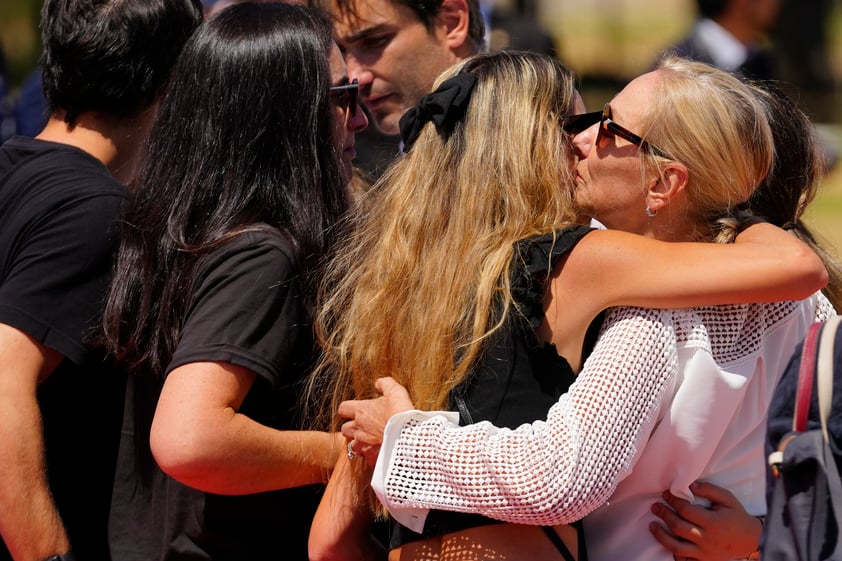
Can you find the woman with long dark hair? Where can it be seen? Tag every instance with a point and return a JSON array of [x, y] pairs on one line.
[[236, 207]]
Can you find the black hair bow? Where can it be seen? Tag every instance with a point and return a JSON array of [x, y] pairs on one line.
[[443, 107]]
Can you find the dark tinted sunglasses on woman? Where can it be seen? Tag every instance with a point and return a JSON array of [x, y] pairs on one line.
[[574, 124]]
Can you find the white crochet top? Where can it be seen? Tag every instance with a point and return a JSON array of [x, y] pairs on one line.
[[666, 397]]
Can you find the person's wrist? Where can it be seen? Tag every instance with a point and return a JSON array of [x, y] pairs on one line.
[[754, 555]]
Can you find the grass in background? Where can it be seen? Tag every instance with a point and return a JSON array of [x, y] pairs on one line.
[[824, 216]]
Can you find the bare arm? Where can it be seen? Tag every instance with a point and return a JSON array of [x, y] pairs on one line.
[[610, 268], [199, 437], [765, 264], [29, 521], [341, 529]]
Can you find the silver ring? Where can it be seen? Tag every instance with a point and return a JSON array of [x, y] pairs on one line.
[[351, 455]]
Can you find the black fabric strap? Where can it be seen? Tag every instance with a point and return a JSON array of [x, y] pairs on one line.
[[562, 547], [464, 413]]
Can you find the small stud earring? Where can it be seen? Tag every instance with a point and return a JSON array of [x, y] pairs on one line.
[[651, 213]]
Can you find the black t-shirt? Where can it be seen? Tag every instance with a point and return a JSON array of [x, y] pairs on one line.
[[246, 308], [58, 207]]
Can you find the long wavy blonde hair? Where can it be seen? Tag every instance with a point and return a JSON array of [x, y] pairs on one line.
[[425, 277]]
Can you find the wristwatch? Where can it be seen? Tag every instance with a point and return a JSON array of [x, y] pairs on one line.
[[63, 557]]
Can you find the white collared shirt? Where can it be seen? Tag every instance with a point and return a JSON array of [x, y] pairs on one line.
[[727, 52]]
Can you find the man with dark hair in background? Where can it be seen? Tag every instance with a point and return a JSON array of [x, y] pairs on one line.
[[396, 49], [104, 64]]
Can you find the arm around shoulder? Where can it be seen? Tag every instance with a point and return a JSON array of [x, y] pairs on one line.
[[558, 470], [765, 264], [801, 270]]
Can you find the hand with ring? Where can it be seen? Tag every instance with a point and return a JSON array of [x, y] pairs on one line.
[[368, 418]]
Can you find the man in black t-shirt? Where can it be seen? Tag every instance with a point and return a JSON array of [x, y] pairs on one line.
[[60, 195]]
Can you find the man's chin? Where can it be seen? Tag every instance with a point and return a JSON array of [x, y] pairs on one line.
[[386, 118], [388, 125]]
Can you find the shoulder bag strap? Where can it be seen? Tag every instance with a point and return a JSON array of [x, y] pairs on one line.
[[825, 370], [805, 378]]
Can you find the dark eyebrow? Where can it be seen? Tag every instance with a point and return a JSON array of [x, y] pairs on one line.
[[366, 33]]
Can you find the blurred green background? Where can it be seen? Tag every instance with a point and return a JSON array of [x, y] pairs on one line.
[[607, 42]]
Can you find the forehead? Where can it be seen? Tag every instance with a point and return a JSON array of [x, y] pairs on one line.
[[338, 70], [578, 104], [634, 100], [359, 16]]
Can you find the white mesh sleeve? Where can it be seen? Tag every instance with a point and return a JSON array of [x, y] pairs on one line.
[[548, 472], [824, 309]]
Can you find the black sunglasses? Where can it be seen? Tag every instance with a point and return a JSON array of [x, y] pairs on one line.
[[578, 123], [347, 96]]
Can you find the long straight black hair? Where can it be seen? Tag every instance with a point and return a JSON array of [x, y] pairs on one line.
[[242, 138]]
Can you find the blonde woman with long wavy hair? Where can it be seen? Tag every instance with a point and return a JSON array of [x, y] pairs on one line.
[[452, 283]]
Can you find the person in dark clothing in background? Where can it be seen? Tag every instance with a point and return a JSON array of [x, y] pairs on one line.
[[730, 35], [60, 194]]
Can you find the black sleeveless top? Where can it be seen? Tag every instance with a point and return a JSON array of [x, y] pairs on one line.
[[518, 379]]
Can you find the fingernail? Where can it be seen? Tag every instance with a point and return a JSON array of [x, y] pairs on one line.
[[656, 508]]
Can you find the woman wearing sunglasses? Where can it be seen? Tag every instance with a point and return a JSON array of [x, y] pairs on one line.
[[237, 204], [349, 119], [468, 282]]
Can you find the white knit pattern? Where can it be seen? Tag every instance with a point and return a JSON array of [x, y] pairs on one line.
[[558, 471]]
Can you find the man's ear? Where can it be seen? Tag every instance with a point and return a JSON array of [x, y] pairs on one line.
[[668, 187], [453, 21]]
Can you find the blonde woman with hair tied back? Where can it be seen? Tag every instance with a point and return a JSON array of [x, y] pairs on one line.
[[781, 199], [470, 281]]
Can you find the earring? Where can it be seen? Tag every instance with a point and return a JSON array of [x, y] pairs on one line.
[[651, 213]]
